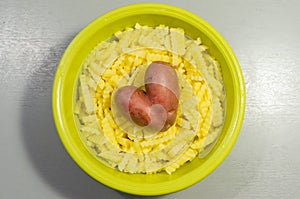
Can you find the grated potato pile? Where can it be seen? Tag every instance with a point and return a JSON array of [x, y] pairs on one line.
[[123, 61]]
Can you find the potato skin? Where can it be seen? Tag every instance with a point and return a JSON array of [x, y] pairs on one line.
[[157, 107], [162, 88]]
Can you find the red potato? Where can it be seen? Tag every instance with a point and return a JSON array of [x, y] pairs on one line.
[[134, 103], [162, 88], [157, 108]]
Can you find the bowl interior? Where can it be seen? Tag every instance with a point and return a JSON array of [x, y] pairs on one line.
[[101, 29]]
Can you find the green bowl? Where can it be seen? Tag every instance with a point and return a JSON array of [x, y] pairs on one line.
[[151, 14]]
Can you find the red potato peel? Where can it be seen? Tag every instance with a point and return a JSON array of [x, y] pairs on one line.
[[157, 107]]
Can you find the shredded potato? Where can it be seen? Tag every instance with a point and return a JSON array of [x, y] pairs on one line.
[[123, 61]]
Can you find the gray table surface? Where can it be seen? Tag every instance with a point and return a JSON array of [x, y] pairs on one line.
[[264, 163]]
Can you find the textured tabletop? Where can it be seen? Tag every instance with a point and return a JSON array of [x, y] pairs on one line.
[[265, 161]]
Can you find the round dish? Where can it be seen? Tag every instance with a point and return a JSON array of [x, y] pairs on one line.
[[151, 14]]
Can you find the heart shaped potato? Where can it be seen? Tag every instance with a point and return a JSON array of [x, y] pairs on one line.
[[157, 107]]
